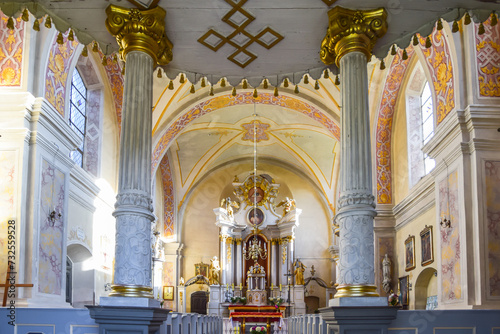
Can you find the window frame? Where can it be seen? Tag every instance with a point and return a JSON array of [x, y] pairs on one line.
[[73, 107]]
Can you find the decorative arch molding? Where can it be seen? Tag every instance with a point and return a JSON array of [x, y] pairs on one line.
[[168, 198], [438, 60], [223, 101]]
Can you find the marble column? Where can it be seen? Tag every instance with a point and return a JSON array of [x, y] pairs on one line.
[[349, 41], [143, 44]]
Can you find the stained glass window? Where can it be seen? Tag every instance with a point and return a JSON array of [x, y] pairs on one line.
[[77, 117]]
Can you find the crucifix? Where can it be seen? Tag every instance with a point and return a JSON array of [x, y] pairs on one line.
[[7, 284]]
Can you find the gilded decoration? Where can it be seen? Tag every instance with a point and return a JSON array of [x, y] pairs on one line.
[[255, 190], [439, 63], [56, 77], [168, 198], [384, 125], [488, 59], [242, 57], [140, 30], [255, 131], [352, 30], [218, 102], [11, 52]]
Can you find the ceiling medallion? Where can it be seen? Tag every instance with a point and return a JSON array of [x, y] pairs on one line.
[[329, 2], [256, 131], [238, 18]]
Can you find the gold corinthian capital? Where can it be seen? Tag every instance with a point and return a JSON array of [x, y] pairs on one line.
[[352, 30], [140, 30]]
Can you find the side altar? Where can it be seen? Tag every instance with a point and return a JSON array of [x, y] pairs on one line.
[[256, 248]]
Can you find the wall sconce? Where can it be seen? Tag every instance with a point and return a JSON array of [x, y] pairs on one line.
[[53, 216], [445, 223]]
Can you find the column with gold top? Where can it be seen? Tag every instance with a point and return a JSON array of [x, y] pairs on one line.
[[348, 43], [143, 44]]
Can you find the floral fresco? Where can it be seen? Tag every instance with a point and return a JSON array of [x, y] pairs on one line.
[[450, 239], [50, 244], [11, 52], [492, 172], [56, 77], [168, 198], [488, 59]]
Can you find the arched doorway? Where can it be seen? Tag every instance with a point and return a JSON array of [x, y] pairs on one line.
[[425, 287]]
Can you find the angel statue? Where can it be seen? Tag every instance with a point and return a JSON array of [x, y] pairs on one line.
[[229, 204], [386, 272], [213, 271], [288, 204]]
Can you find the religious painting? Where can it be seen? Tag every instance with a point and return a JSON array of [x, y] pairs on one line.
[[201, 269], [404, 285], [427, 247], [168, 293], [410, 253], [255, 217], [255, 194]]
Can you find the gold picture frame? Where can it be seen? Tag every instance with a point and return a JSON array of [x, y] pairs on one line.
[[168, 292], [404, 289], [201, 269], [410, 253], [427, 247]]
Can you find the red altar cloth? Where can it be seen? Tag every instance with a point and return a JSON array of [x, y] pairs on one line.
[[256, 316]]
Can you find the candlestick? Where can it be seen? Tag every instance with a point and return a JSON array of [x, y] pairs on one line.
[[241, 286], [280, 286], [232, 286]]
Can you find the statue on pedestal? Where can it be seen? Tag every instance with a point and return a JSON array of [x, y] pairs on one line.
[[299, 272], [288, 204], [214, 270], [386, 274], [229, 204]]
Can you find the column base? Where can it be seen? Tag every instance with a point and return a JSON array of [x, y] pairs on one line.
[[349, 290], [132, 320], [129, 302], [366, 320], [139, 291]]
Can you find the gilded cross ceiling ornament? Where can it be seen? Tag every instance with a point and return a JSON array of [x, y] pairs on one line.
[[352, 30], [140, 30], [255, 128], [238, 18]]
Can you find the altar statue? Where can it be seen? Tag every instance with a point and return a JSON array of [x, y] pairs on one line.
[[214, 271], [229, 204], [299, 272], [288, 204]]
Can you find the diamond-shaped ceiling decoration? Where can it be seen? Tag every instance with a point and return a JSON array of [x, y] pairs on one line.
[[238, 18]]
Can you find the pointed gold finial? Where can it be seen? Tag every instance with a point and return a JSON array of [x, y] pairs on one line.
[[285, 83], [265, 85], [276, 91], [255, 95], [233, 92], [48, 22], [36, 25], [428, 42], [192, 90], [467, 19], [296, 90], [415, 40], [337, 80], [211, 90], [494, 19], [85, 52], [382, 65], [316, 85], [159, 75], [245, 84], [203, 82], [95, 47], [480, 30], [439, 24], [10, 23], [405, 55], [182, 80], [454, 27], [60, 38], [223, 82], [306, 79], [26, 15], [171, 85]]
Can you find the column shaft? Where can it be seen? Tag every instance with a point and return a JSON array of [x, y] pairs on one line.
[[134, 204], [356, 202]]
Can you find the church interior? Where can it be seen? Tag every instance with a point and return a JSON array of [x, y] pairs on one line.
[[230, 168]]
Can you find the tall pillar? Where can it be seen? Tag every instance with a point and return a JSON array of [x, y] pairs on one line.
[[349, 41], [143, 44], [239, 263]]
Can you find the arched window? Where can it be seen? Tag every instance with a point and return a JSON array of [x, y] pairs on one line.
[[420, 124], [427, 112], [77, 113]]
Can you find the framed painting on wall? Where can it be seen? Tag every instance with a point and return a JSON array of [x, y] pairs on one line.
[[201, 269], [427, 246], [404, 290], [168, 292], [410, 253]]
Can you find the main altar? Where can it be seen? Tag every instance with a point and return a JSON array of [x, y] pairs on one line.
[[256, 254]]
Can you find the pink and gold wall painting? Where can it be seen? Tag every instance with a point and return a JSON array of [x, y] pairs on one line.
[[168, 198], [488, 59], [56, 77], [11, 52], [450, 239], [492, 173], [51, 242]]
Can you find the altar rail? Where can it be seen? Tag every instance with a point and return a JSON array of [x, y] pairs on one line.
[[306, 324], [78, 321]]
